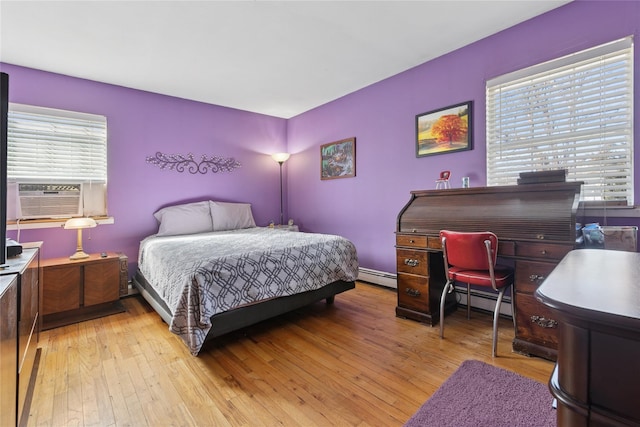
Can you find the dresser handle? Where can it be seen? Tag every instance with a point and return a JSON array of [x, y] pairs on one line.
[[540, 236], [411, 241], [412, 292], [544, 322], [536, 278], [543, 252], [411, 262]]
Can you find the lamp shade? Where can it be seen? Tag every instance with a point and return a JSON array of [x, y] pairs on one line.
[[280, 157], [75, 223]]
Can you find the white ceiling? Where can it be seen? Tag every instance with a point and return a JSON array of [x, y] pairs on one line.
[[280, 58]]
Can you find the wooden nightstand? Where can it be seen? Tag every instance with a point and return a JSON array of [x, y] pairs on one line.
[[77, 290], [287, 227]]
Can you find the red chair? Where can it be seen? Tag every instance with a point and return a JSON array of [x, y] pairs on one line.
[[443, 181], [471, 258]]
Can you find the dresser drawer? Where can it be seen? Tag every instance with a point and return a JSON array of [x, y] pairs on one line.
[[411, 240], [413, 292], [535, 322], [531, 274], [413, 262], [542, 250]]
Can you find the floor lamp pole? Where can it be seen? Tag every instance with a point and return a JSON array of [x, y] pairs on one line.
[[281, 158], [281, 209]]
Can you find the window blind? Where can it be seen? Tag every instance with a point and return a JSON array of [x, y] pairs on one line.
[[573, 113], [48, 144]]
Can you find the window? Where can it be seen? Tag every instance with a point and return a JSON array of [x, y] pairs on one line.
[[573, 113], [62, 147]]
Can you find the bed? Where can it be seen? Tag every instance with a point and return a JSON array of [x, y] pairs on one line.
[[208, 283]]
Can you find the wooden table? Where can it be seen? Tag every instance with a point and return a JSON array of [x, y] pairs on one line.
[[596, 296]]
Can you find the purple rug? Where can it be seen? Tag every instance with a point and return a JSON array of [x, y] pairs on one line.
[[478, 394]]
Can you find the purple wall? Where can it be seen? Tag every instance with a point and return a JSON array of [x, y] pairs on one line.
[[139, 125], [382, 118]]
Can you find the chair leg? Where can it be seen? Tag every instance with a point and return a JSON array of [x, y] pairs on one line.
[[513, 307], [496, 315], [468, 301], [448, 287]]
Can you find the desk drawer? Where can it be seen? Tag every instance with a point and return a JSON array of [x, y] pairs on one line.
[[506, 247], [542, 250], [531, 274], [535, 322], [413, 262], [413, 292], [411, 240], [434, 242]]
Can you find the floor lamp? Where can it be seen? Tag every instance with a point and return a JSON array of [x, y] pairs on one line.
[[281, 158]]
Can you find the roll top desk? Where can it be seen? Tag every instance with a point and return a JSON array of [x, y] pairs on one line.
[[535, 225]]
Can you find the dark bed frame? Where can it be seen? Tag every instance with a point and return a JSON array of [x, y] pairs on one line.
[[248, 315]]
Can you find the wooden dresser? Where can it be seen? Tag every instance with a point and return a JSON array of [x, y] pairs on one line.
[[8, 349], [536, 227], [595, 294], [24, 270]]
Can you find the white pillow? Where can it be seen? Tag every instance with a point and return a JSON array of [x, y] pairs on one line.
[[189, 218], [231, 216]]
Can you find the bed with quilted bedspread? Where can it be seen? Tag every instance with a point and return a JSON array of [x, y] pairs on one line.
[[207, 284]]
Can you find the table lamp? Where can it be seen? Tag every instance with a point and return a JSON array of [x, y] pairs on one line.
[[79, 224]]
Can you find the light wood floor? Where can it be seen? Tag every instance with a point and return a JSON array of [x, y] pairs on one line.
[[352, 363]]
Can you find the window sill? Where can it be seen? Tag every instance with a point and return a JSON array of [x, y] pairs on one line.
[[30, 224], [611, 211]]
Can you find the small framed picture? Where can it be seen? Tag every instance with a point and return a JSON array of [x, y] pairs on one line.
[[445, 130], [338, 159]]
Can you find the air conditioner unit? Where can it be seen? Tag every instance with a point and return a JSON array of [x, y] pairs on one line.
[[49, 200]]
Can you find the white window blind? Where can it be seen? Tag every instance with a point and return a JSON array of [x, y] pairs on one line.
[[573, 113], [56, 146], [47, 144]]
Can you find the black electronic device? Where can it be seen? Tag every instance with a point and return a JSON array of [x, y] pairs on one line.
[[4, 112], [13, 248]]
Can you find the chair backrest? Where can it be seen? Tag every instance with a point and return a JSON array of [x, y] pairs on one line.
[[468, 250]]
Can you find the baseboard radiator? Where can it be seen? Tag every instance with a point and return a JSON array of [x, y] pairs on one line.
[[479, 299], [381, 278]]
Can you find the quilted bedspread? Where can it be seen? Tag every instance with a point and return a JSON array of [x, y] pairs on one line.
[[200, 275]]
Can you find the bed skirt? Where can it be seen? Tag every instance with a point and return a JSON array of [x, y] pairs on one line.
[[229, 321]]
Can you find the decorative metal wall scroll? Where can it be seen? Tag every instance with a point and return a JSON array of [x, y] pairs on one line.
[[180, 163]]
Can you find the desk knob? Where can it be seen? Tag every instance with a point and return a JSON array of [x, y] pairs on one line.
[[543, 322], [536, 278], [412, 292], [411, 262]]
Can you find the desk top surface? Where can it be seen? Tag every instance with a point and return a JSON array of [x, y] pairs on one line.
[[597, 285]]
